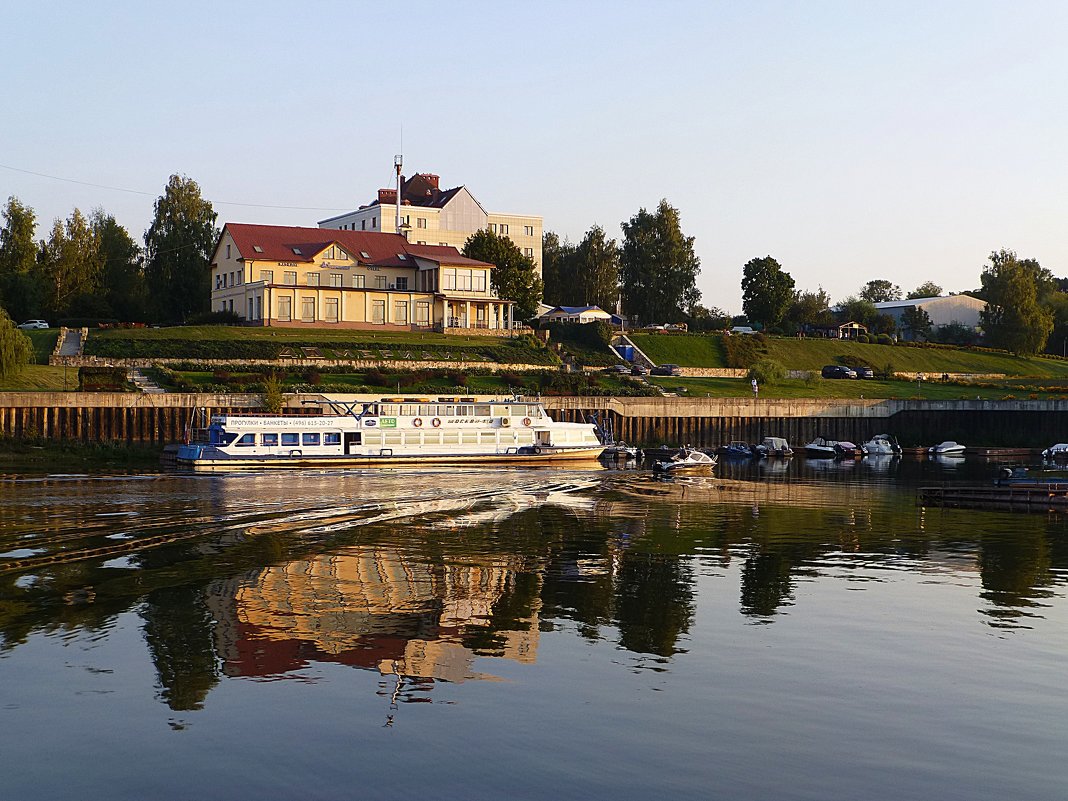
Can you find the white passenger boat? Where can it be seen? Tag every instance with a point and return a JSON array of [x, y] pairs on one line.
[[1058, 451], [394, 431]]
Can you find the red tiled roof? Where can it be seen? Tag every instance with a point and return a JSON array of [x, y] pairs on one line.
[[277, 243]]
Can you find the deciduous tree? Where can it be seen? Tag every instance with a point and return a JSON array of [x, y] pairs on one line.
[[1013, 318], [597, 270], [928, 289], [916, 322], [767, 291], [880, 291], [15, 348], [18, 259], [122, 280], [658, 268], [178, 247], [69, 265], [557, 269], [514, 276]]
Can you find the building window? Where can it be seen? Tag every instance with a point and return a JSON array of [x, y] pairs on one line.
[[378, 312], [267, 276], [358, 281], [402, 283], [307, 310], [420, 222], [528, 230], [289, 278], [374, 222], [285, 309], [240, 277], [250, 317], [363, 225], [493, 228], [336, 279], [528, 252], [330, 310], [218, 283], [422, 313], [227, 251], [504, 229], [259, 308], [380, 282], [448, 278], [400, 313], [313, 279], [231, 279], [478, 281]]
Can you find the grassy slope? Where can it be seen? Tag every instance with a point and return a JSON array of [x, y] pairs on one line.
[[44, 342], [208, 333], [39, 377], [811, 354], [928, 390]]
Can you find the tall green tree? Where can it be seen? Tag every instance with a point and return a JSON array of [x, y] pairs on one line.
[[916, 322], [767, 291], [1013, 318], [597, 270], [854, 309], [928, 289], [178, 247], [514, 276], [18, 260], [658, 268], [880, 291], [16, 351], [810, 309], [122, 280], [69, 265], [557, 269]]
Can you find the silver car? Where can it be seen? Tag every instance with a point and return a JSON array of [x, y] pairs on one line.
[[33, 325]]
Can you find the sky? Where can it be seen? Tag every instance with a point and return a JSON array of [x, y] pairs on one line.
[[849, 140]]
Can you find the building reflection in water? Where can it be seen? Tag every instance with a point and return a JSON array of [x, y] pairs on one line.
[[368, 607]]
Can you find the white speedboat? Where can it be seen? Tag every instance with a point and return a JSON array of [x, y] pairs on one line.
[[687, 460], [882, 445], [1058, 451], [947, 448], [393, 431]]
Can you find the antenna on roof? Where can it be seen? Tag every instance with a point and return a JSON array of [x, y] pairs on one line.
[[398, 163]]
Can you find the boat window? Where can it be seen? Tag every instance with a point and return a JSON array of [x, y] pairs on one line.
[[218, 436], [526, 436], [246, 441], [310, 439], [481, 410], [392, 438], [488, 437], [290, 438], [463, 411], [447, 411], [410, 410], [270, 440], [332, 438], [432, 438], [372, 438], [388, 409], [502, 411], [469, 437], [450, 437], [426, 410], [411, 438]]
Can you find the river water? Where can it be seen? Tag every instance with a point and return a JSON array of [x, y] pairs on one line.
[[796, 630]]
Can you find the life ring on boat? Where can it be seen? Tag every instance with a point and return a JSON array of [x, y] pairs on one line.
[[417, 422], [436, 422], [505, 422], [537, 450], [526, 421]]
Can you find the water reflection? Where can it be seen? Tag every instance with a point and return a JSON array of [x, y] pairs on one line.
[[419, 576]]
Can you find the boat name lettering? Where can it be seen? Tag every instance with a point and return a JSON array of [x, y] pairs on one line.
[[466, 421]]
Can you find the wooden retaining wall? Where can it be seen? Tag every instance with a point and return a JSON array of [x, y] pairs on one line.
[[703, 422]]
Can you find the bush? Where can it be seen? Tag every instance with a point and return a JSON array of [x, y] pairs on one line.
[[863, 339], [884, 339], [767, 371], [88, 322], [226, 317], [102, 379], [272, 394], [741, 350]]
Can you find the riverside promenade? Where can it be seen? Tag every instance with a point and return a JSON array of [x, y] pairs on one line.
[[162, 418]]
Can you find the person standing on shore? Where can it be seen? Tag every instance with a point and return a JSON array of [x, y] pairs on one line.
[[756, 389]]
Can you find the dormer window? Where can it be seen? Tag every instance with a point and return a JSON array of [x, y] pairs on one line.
[[257, 248], [297, 252], [402, 257], [365, 254]]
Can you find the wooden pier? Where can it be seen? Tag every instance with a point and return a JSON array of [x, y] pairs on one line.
[[1031, 496]]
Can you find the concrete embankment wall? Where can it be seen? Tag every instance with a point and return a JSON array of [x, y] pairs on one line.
[[161, 419]]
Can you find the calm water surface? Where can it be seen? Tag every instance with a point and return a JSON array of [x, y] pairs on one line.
[[799, 631]]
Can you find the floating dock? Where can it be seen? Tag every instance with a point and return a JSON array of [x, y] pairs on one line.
[[1028, 496]]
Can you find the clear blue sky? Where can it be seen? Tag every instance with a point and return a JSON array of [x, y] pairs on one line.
[[849, 140]]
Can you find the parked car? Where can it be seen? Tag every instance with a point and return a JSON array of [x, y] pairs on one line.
[[666, 369], [864, 372], [33, 325], [838, 371], [617, 368], [637, 369]]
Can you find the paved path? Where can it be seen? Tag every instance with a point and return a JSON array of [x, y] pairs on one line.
[[72, 344]]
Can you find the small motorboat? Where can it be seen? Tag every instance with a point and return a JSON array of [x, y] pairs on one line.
[[882, 445], [687, 460], [737, 450], [947, 448], [1056, 452], [775, 447], [621, 451], [821, 448], [844, 449]]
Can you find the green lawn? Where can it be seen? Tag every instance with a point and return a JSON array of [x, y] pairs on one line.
[[820, 388], [40, 377], [236, 333], [44, 342], [697, 350]]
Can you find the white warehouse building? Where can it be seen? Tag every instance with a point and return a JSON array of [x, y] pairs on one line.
[[962, 309]]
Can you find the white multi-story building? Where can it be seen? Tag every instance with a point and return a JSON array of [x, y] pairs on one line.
[[433, 216]]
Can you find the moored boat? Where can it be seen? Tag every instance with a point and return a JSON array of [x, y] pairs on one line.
[[882, 445], [687, 460], [947, 448], [1056, 452], [775, 447], [737, 450], [394, 431], [822, 448]]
